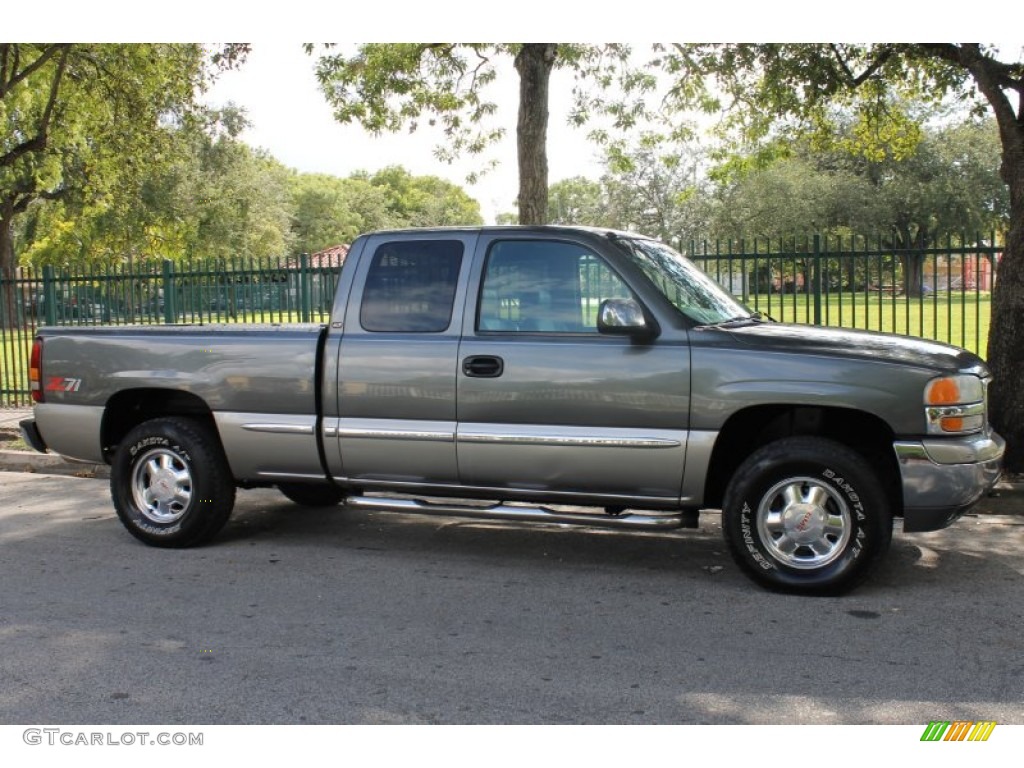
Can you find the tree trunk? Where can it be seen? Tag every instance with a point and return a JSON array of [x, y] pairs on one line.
[[8, 294], [913, 274], [912, 261], [534, 63], [1006, 337]]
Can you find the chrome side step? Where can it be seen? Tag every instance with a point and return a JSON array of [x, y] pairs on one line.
[[528, 514]]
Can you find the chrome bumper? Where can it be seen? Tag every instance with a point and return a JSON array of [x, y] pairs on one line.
[[945, 477]]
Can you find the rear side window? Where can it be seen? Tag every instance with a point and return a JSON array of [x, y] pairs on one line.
[[410, 287]]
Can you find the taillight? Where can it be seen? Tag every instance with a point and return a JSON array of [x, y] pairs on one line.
[[35, 371]]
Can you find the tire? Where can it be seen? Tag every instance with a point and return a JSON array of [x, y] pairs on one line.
[[171, 484], [807, 515], [313, 494]]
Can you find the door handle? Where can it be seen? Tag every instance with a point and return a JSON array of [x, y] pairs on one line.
[[483, 366]]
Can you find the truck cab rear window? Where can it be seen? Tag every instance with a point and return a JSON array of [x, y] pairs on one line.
[[410, 287]]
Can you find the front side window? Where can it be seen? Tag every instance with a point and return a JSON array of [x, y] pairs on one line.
[[544, 287], [410, 287]]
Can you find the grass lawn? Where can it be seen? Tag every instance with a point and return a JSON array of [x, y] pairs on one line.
[[959, 320]]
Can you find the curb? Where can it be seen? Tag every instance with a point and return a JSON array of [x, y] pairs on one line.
[[49, 464]]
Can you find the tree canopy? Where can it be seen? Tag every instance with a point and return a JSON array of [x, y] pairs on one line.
[[82, 123]]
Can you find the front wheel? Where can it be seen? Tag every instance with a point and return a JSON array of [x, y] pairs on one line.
[[807, 515], [171, 484]]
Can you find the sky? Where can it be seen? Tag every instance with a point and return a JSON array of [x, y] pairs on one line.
[[293, 122], [290, 117]]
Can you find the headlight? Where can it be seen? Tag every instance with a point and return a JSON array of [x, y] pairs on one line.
[[955, 405]]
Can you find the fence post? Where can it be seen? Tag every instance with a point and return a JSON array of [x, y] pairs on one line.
[[168, 289], [817, 279], [49, 295], [304, 288]]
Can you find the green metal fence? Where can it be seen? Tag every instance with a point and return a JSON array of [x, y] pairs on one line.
[[940, 292], [231, 291]]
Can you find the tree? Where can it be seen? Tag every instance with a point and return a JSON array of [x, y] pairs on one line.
[[579, 201], [948, 183], [657, 187], [81, 123], [207, 195], [787, 88], [329, 210], [425, 201], [386, 87], [82, 120], [236, 201]]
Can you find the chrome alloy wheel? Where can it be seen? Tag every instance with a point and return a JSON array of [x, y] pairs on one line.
[[161, 486], [804, 523]]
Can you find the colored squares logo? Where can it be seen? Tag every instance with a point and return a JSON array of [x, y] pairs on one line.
[[958, 730]]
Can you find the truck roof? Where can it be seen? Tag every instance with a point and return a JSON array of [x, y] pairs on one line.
[[492, 228]]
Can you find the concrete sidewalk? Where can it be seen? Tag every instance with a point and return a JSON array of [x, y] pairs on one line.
[[9, 417]]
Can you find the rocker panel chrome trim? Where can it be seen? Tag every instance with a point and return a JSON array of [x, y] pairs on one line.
[[524, 514]]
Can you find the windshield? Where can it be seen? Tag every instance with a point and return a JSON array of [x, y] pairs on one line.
[[691, 291]]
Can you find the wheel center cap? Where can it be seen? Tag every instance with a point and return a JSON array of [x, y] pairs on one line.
[[804, 523], [163, 485]]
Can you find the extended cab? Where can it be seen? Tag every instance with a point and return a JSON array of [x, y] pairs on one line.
[[547, 365]]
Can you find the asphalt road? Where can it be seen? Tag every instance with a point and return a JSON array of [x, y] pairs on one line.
[[337, 616]]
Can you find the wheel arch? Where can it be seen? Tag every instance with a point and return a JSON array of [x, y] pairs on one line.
[[129, 408], [751, 428]]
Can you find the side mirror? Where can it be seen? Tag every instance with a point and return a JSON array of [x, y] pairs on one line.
[[622, 317]]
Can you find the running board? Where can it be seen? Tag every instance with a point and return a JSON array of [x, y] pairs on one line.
[[671, 519]]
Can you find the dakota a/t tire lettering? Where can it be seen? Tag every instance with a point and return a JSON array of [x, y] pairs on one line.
[[807, 515], [171, 484]]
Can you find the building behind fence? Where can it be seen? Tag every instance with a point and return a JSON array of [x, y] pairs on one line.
[[940, 292]]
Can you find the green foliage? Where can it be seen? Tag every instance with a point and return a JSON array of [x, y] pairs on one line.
[[425, 201], [329, 210], [579, 201], [949, 182], [651, 185], [85, 124], [655, 186], [210, 195]]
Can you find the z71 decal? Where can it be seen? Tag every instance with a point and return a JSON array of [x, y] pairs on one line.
[[62, 384]]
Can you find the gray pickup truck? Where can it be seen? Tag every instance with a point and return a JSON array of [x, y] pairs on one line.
[[545, 374]]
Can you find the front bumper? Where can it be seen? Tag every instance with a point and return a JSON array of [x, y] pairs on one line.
[[945, 477]]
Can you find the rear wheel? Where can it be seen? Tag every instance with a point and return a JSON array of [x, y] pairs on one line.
[[171, 484], [807, 515], [313, 494]]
